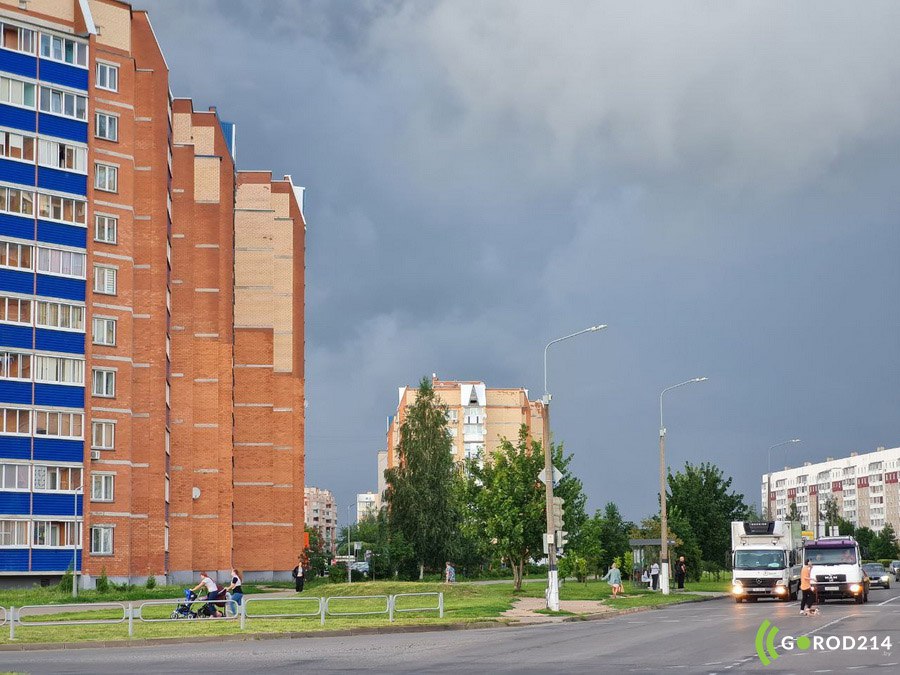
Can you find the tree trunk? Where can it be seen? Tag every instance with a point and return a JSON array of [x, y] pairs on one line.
[[517, 574], [421, 571]]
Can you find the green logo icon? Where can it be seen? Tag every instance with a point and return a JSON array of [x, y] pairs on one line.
[[765, 642]]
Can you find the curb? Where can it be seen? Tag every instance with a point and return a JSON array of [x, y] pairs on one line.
[[294, 635]]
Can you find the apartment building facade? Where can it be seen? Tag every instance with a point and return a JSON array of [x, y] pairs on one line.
[[865, 488], [321, 515], [124, 446], [478, 417]]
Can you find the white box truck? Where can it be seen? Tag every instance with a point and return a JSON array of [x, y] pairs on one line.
[[766, 560]]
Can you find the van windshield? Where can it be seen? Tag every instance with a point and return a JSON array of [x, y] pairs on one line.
[[759, 560], [832, 556]]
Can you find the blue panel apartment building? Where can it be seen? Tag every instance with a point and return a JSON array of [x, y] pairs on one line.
[[44, 117]]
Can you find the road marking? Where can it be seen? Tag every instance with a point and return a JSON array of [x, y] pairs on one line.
[[713, 663], [888, 600], [823, 627], [855, 667]]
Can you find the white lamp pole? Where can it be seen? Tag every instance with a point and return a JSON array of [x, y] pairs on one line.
[[769, 474], [663, 516], [75, 541], [552, 574]]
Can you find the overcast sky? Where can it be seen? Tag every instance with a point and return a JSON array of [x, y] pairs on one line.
[[718, 182]]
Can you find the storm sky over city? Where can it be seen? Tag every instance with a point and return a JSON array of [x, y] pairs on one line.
[[718, 182]]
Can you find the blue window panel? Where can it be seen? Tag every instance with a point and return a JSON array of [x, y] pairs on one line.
[[61, 181], [18, 282], [52, 504], [64, 74], [15, 447], [16, 336], [21, 227], [15, 392], [228, 129], [59, 341], [58, 449], [14, 560], [57, 287], [18, 63], [60, 395], [16, 172], [58, 233], [16, 503], [18, 118], [53, 559], [63, 127]]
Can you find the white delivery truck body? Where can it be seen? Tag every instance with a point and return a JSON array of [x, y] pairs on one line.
[[766, 559]]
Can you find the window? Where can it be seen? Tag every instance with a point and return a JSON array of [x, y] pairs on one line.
[[13, 533], [15, 421], [58, 424], [106, 126], [59, 315], [107, 77], [65, 103], [17, 202], [15, 366], [101, 540], [106, 229], [63, 209], [104, 383], [16, 146], [58, 370], [102, 487], [64, 263], [18, 39], [63, 49], [57, 478], [58, 155], [16, 256], [103, 435], [54, 533], [105, 280], [14, 476], [16, 92], [15, 310], [106, 177], [104, 331]]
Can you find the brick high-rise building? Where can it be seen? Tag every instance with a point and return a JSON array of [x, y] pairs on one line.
[[151, 316], [478, 417], [321, 514]]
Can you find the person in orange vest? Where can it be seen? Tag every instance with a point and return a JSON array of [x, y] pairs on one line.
[[808, 597]]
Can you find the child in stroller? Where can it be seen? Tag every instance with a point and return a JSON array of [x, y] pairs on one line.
[[185, 610]]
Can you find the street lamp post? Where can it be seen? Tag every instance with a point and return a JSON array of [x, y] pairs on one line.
[[552, 574], [769, 474], [75, 542], [349, 544], [663, 516]]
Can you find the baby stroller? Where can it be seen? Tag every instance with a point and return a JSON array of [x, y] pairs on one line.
[[214, 605], [184, 611]]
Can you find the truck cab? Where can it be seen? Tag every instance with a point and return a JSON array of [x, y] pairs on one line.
[[765, 560], [837, 571]]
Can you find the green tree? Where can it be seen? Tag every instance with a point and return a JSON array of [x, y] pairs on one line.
[[701, 494], [884, 544], [422, 491], [830, 513], [589, 546], [866, 538], [613, 536], [317, 557], [509, 501], [845, 527], [793, 514]]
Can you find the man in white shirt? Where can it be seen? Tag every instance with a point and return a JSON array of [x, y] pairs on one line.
[[654, 575]]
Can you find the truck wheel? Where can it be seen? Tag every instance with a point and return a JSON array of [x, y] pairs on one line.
[[793, 595], [860, 599], [752, 598], [738, 600]]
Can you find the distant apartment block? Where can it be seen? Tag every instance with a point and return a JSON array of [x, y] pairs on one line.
[[321, 515], [367, 504], [864, 486], [151, 316], [478, 417]]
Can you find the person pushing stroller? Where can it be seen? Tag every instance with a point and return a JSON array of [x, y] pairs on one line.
[[213, 593]]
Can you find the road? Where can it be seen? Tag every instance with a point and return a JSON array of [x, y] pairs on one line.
[[709, 637]]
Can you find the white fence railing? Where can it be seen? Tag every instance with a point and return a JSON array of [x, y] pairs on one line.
[[315, 607]]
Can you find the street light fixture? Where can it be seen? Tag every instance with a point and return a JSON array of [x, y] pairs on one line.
[[552, 574], [769, 474], [663, 516]]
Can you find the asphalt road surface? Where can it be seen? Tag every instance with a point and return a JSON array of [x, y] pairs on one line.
[[716, 636]]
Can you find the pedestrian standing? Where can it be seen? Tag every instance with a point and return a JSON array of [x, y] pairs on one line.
[[449, 573], [614, 578], [807, 597], [680, 572], [654, 575], [297, 573], [645, 577], [236, 590]]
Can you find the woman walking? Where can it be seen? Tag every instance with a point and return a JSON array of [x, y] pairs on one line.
[[808, 597], [614, 578], [236, 590]]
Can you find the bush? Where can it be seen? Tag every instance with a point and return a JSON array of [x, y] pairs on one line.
[[885, 561], [573, 566], [102, 582], [337, 574], [151, 582], [65, 584]]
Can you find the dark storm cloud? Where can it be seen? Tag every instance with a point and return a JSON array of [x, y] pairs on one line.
[[714, 180]]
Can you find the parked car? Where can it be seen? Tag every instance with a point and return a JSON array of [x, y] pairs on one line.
[[361, 566], [895, 569], [878, 575]]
